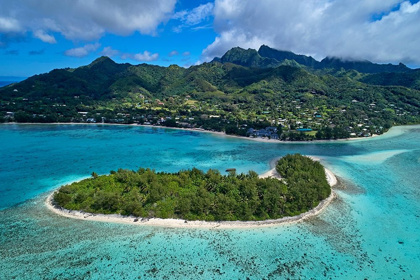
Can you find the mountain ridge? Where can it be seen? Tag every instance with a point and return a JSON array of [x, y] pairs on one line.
[[104, 77], [269, 57]]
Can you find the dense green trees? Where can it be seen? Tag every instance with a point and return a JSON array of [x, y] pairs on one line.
[[195, 195], [332, 133], [305, 180]]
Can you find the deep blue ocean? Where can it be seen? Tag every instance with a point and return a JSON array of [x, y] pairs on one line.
[[372, 230], [5, 83]]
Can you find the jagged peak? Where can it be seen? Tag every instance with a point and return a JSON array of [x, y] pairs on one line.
[[241, 50], [265, 47]]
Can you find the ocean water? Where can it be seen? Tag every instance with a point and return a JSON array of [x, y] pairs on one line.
[[372, 230], [5, 83]]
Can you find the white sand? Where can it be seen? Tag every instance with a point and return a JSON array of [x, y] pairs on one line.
[[179, 223], [272, 173]]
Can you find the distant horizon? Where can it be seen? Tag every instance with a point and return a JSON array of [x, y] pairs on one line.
[[11, 79]]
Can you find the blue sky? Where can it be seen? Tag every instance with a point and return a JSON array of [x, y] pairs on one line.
[[38, 36]]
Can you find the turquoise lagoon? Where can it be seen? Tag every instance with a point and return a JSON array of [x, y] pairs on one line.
[[371, 231]]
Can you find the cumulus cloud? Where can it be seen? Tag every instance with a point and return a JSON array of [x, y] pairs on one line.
[[82, 51], [186, 53], [44, 37], [110, 52], [9, 25], [193, 17], [378, 30], [83, 19], [196, 15], [146, 56]]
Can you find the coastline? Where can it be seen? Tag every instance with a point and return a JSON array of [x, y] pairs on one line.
[[272, 173], [219, 133], [179, 223]]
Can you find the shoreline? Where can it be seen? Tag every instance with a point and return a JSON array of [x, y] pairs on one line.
[[179, 223], [272, 172], [219, 133]]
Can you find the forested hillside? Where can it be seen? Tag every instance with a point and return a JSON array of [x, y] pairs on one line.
[[244, 89]]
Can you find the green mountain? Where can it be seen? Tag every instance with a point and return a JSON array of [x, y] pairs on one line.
[[104, 79], [409, 80], [240, 90], [361, 66], [248, 58], [268, 52], [269, 57]]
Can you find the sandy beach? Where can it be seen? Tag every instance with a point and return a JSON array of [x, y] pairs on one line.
[[272, 173], [179, 223]]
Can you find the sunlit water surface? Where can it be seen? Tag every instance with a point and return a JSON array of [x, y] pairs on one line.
[[371, 231]]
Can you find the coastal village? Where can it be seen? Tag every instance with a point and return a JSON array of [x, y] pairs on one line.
[[265, 120]]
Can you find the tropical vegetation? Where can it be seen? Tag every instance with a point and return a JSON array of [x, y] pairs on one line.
[[243, 89], [197, 195]]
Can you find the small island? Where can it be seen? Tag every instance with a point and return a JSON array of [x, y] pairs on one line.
[[300, 185]]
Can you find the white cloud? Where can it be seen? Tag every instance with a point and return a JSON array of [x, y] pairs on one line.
[[193, 17], [110, 52], [201, 27], [84, 19], [44, 37], [196, 15], [146, 56], [320, 28], [186, 53], [82, 51], [180, 15], [8, 24]]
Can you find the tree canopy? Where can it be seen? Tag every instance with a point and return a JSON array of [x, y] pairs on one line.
[[197, 195]]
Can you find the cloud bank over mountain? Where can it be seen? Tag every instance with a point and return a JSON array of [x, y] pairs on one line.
[[377, 30], [73, 32]]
